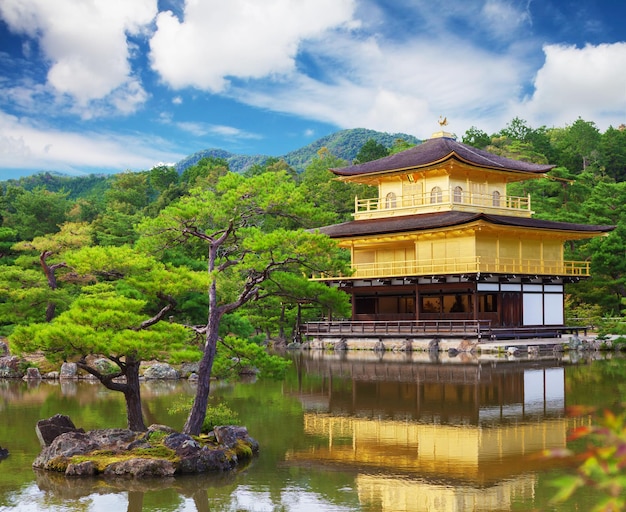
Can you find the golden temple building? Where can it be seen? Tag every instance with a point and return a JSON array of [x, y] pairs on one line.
[[443, 241]]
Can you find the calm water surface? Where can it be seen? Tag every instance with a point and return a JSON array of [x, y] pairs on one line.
[[343, 432]]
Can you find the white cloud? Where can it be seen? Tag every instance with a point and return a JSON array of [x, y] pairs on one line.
[[239, 38], [587, 82], [199, 129], [24, 145], [392, 87], [503, 18], [85, 44]]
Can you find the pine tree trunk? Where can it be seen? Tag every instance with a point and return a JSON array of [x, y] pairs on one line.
[[50, 311], [193, 425], [132, 395], [52, 282]]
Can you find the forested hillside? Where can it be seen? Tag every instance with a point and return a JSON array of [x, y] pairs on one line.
[[344, 144], [62, 238]]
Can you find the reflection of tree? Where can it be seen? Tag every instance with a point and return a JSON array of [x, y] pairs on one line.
[[189, 486], [598, 384], [201, 500], [458, 306], [135, 501], [431, 305]]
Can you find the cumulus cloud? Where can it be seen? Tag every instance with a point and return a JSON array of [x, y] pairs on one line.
[[588, 82], [86, 45], [397, 87], [239, 38], [25, 145]]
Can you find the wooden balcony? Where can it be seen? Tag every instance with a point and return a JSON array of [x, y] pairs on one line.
[[464, 265], [441, 201]]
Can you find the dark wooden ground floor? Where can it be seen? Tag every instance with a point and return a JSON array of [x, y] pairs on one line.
[[485, 304]]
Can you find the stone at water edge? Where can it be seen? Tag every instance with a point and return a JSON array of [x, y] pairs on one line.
[[32, 373], [4, 453], [48, 430], [10, 367], [140, 468], [228, 436], [467, 346], [69, 371], [161, 371]]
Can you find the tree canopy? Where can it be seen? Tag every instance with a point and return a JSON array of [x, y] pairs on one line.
[[251, 229]]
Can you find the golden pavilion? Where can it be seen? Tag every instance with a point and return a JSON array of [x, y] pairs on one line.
[[444, 248]]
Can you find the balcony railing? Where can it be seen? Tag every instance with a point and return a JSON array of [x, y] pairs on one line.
[[397, 328], [436, 200], [465, 265]]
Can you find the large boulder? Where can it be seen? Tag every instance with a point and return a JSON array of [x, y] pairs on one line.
[[4, 349], [68, 371], [140, 468], [161, 371], [10, 368], [56, 455], [4, 453], [87, 468], [48, 430], [32, 373], [230, 436], [188, 369], [196, 458]]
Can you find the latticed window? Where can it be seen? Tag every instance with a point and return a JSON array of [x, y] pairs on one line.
[[458, 194], [411, 193], [390, 200], [496, 198]]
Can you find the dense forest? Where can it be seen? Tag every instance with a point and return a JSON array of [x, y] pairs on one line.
[[344, 144], [94, 240]]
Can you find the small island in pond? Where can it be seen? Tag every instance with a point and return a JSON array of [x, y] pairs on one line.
[[158, 452]]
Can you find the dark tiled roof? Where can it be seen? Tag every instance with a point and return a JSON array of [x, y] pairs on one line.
[[437, 150], [426, 221]]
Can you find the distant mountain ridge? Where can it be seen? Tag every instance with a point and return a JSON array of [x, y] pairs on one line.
[[344, 144]]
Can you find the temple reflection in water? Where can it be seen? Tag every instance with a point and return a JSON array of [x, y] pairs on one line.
[[449, 435]]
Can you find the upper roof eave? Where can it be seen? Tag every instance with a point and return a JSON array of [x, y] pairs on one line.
[[435, 151]]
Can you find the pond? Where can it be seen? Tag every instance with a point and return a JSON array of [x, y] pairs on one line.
[[342, 432]]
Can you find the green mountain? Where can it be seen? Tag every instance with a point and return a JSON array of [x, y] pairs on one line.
[[344, 144]]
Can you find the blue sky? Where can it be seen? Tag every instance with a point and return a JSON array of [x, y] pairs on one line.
[[113, 85]]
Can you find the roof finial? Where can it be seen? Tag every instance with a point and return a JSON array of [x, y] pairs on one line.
[[443, 121]]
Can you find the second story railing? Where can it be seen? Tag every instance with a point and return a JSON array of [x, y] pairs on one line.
[[465, 265], [436, 199]]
